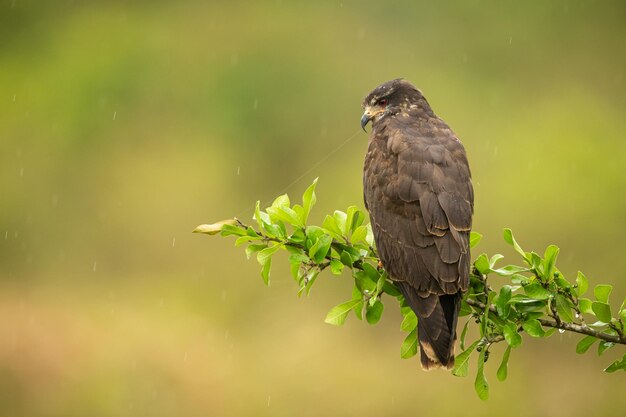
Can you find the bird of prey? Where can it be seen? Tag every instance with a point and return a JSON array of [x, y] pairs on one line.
[[418, 191]]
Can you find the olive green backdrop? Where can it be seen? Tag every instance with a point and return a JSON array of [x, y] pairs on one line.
[[123, 125]]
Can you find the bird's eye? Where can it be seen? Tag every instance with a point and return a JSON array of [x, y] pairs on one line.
[[382, 102]]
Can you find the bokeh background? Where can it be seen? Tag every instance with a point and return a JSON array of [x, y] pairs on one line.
[[123, 125]]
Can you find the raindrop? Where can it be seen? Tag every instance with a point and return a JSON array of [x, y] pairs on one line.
[[114, 115], [255, 105], [55, 200], [22, 172], [238, 170], [223, 295], [185, 357], [510, 40], [95, 265], [269, 399], [173, 242], [561, 331], [6, 235], [14, 97]]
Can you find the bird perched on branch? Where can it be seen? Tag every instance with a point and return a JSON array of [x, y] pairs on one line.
[[418, 191]]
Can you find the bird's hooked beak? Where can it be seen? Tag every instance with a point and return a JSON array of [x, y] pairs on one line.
[[365, 119]]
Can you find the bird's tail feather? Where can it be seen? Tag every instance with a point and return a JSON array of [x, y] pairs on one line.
[[436, 329]]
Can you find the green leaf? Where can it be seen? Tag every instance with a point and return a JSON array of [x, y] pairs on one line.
[[482, 264], [409, 346], [330, 224], [259, 216], [617, 365], [285, 214], [503, 369], [382, 280], [484, 319], [602, 292], [582, 283], [337, 315], [370, 235], [502, 302], [562, 282], [265, 271], [602, 311], [527, 305], [363, 281], [358, 309], [374, 312], [537, 291], [409, 322], [480, 383], [359, 235], [391, 289], [510, 270], [281, 201], [253, 249], [511, 335], [549, 256], [371, 272], [244, 239], [461, 362], [604, 345], [474, 240], [273, 230], [463, 334], [336, 266], [320, 248], [584, 304], [533, 328], [308, 201], [508, 238], [340, 220], [564, 308], [264, 256], [297, 272], [354, 218], [298, 237], [346, 259], [495, 258], [466, 310], [215, 228]]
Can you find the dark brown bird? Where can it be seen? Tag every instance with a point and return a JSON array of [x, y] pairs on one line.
[[418, 191]]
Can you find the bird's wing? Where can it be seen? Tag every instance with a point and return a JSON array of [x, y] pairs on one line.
[[420, 198]]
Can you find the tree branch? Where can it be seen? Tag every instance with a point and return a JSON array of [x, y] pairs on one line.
[[576, 328]]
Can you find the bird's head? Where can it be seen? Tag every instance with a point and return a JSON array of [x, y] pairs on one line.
[[389, 98]]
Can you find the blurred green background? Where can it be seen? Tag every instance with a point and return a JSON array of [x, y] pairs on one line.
[[123, 125]]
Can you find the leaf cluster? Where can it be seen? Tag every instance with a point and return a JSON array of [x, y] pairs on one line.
[[533, 298]]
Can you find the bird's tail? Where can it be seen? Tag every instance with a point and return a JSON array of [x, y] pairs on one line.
[[436, 328]]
